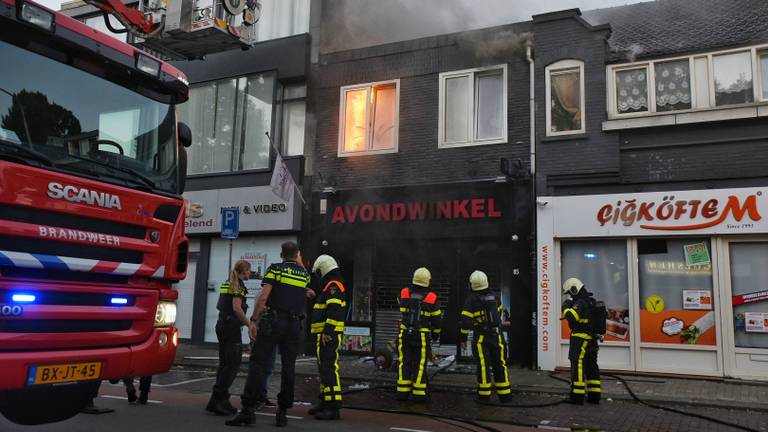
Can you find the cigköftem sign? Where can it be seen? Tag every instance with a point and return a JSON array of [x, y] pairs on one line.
[[715, 211], [259, 210]]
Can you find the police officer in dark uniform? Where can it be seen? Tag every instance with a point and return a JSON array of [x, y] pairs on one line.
[[482, 314], [421, 319], [584, 315], [232, 315], [328, 315], [279, 312]]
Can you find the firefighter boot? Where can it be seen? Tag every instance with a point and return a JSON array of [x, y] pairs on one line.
[[143, 398], [281, 418], [245, 417], [328, 414], [131, 395]]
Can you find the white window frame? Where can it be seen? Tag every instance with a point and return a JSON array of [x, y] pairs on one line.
[[368, 134], [472, 133], [757, 84], [561, 67], [759, 67]]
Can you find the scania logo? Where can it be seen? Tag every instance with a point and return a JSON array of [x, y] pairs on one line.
[[10, 310], [83, 196]]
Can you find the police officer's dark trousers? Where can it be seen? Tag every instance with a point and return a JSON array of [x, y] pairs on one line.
[[491, 352], [414, 350], [585, 374], [285, 333], [328, 365], [230, 354]]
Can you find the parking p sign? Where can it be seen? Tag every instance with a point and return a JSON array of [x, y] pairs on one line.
[[230, 222]]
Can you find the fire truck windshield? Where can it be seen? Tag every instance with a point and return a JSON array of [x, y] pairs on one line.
[[63, 118]]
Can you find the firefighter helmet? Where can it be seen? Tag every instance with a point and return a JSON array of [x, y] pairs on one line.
[[422, 277], [478, 280], [572, 286], [324, 263]]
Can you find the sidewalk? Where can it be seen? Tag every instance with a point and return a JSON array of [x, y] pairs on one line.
[[718, 393]]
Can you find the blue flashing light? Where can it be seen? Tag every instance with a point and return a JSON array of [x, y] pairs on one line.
[[118, 300], [590, 255], [23, 298]]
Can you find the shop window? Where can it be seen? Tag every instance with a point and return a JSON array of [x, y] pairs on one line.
[[228, 119], [292, 119], [632, 91], [362, 295], [602, 266], [676, 291], [565, 98], [749, 277], [473, 107], [733, 78], [369, 119], [673, 85]]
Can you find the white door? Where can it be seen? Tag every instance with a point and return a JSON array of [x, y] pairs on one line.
[[184, 304], [746, 304]]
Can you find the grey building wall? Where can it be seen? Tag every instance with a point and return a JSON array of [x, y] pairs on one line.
[[704, 155], [418, 64]]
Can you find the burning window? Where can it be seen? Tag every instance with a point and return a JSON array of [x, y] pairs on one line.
[[473, 107], [369, 118], [565, 98]]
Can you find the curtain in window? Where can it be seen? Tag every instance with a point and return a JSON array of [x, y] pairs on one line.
[[490, 105], [733, 78], [355, 121], [673, 89], [632, 91], [457, 109], [566, 101]]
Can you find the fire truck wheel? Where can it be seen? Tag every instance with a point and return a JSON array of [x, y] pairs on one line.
[[34, 406]]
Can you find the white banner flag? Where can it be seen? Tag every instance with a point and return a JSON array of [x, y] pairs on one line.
[[282, 182]]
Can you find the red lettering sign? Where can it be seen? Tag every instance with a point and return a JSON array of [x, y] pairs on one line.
[[416, 211], [627, 212]]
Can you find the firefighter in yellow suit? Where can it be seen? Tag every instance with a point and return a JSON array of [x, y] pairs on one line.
[[328, 315], [585, 374], [421, 320], [482, 315]]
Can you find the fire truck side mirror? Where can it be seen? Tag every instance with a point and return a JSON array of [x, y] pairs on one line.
[[185, 135]]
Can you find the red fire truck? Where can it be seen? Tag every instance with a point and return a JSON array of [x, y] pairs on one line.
[[92, 167]]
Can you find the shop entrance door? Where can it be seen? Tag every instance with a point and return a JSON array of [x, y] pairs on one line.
[[745, 321], [678, 306]]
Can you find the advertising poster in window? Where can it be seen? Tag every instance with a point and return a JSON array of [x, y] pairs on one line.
[[697, 300], [696, 254], [357, 339], [258, 262], [756, 322], [676, 292]]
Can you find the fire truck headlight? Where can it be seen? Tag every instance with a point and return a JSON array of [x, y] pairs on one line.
[[36, 16], [166, 314]]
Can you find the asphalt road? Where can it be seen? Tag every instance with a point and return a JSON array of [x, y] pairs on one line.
[[178, 398]]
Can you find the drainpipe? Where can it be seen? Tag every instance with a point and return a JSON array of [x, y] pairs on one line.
[[534, 229], [529, 58]]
